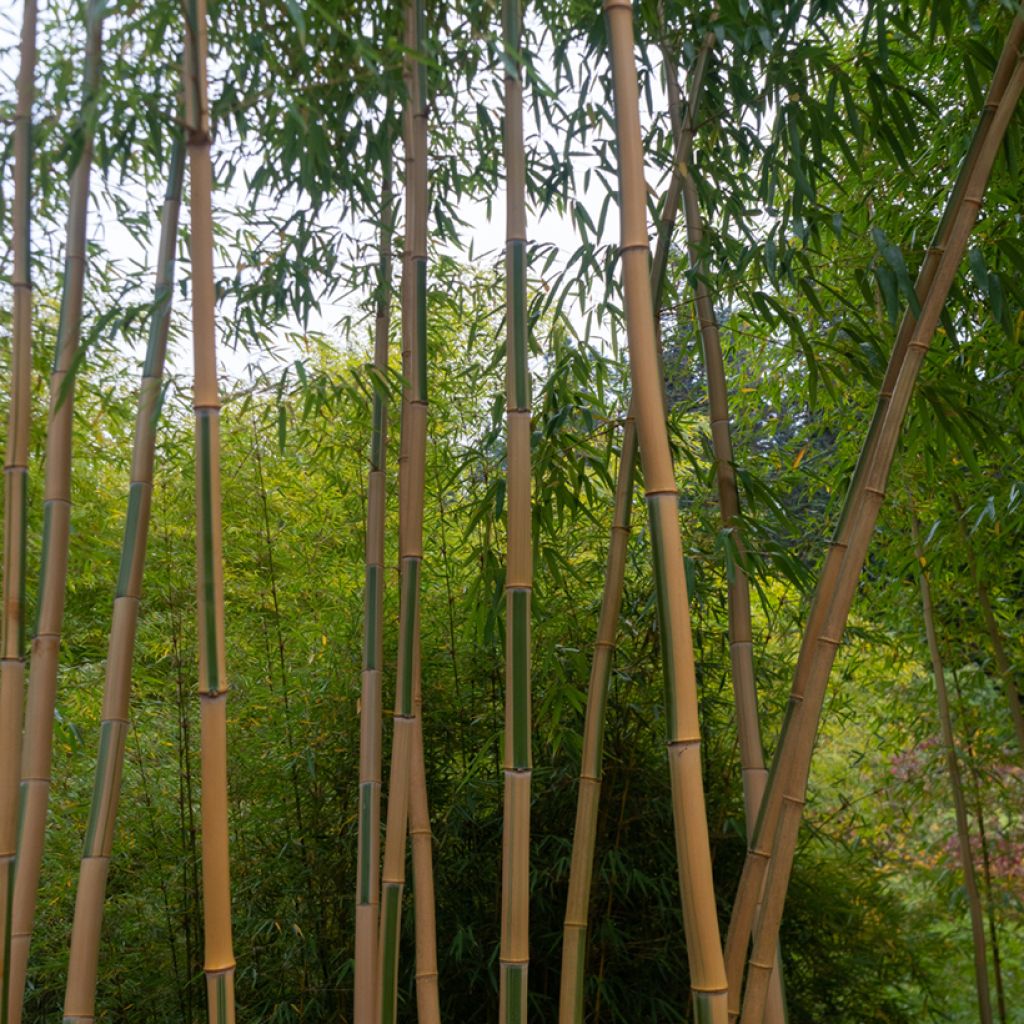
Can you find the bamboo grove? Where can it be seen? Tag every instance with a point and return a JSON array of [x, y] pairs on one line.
[[764, 145]]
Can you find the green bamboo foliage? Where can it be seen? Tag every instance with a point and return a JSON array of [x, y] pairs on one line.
[[368, 859], [219, 959], [12, 625], [782, 807], [515, 885], [955, 784], [407, 786], [707, 970], [42, 686], [80, 998], [574, 932]]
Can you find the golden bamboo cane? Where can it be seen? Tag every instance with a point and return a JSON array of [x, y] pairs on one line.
[[80, 995], [700, 920], [759, 849], [12, 623], [368, 862], [793, 779], [218, 959], [514, 951]]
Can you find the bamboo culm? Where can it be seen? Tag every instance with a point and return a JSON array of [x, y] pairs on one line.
[[407, 783], [517, 762], [574, 933], [80, 997], [700, 920], [955, 784], [218, 954], [759, 846], [368, 858], [796, 746], [12, 624]]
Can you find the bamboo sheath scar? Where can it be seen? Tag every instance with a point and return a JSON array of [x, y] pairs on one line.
[[514, 953], [368, 859], [756, 864], [574, 934], [707, 970], [955, 784], [218, 955], [798, 740], [12, 624], [407, 785], [80, 997]]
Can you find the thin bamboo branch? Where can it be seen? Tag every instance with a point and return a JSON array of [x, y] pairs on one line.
[[953, 768], [517, 759], [407, 785], [80, 996], [368, 861], [218, 955], [12, 623], [707, 970], [783, 803]]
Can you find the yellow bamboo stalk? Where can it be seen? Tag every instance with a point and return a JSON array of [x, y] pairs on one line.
[[368, 862], [953, 768], [759, 847], [12, 623], [407, 781], [80, 996], [707, 970], [803, 727], [219, 959]]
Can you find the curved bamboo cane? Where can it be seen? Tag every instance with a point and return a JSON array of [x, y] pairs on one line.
[[707, 970], [793, 780], [574, 933], [80, 996], [963, 832], [514, 953], [12, 623], [42, 686], [406, 784], [368, 860], [759, 847], [218, 955]]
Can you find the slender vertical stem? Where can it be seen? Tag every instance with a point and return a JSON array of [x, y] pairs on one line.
[[406, 786], [787, 787], [952, 766], [368, 859], [517, 761], [707, 971], [218, 955], [80, 996], [12, 624]]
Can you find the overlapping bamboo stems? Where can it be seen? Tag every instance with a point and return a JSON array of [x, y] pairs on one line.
[[38, 738], [517, 758], [963, 833], [707, 970], [368, 859], [783, 804], [759, 847], [574, 933], [80, 997], [407, 783], [218, 956], [12, 624], [1003, 667]]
